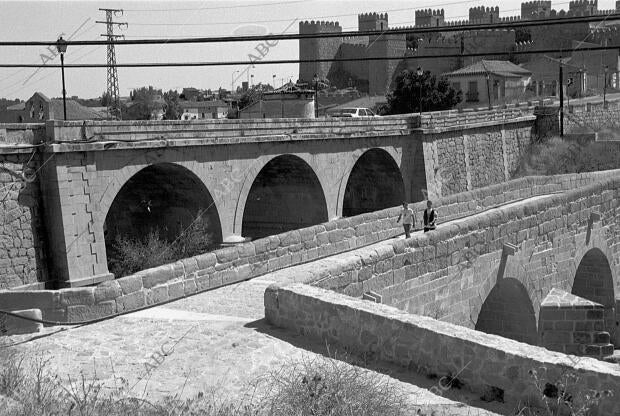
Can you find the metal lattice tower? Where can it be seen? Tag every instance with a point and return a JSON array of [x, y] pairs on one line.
[[114, 105]]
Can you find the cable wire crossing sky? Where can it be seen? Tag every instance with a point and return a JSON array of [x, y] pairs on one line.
[[45, 20]]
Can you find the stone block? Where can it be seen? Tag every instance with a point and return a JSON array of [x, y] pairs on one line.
[[189, 286], [131, 301], [12, 325], [176, 290], [80, 313], [108, 291], [30, 299], [77, 296], [130, 284], [157, 295], [157, 276], [206, 260]]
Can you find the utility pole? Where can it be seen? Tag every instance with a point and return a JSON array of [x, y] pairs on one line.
[[561, 100], [114, 106]]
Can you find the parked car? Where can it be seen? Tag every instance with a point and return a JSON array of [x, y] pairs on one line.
[[353, 112]]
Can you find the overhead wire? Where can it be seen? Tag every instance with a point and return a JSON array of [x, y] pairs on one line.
[[395, 31]]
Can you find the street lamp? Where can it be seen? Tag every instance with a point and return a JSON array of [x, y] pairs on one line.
[[274, 81], [605, 87], [488, 90], [315, 79], [61, 45], [419, 73]]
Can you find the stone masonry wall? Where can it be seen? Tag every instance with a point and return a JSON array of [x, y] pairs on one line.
[[594, 117], [22, 256], [458, 160], [483, 363], [248, 260]]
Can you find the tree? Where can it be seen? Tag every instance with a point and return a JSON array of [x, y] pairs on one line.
[[435, 94], [105, 99], [173, 108], [144, 103]]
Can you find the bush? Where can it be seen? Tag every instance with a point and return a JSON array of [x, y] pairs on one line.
[[130, 255], [324, 386], [556, 156]]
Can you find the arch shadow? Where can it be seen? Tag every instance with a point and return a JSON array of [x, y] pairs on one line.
[[374, 183], [594, 281], [286, 194], [165, 198], [508, 312]]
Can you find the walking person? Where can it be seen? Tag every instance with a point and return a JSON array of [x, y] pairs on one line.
[[430, 217], [406, 214]]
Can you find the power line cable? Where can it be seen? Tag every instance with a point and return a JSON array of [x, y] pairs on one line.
[[397, 31], [296, 61], [232, 6]]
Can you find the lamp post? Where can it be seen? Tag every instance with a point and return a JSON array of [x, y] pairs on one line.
[[488, 90], [605, 87], [61, 45], [419, 73], [315, 79], [274, 81]]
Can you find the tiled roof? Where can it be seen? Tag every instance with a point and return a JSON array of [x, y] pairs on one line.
[[75, 111], [202, 104], [501, 68]]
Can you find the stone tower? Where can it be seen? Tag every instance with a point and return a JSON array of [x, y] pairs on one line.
[[482, 15], [530, 9], [429, 18], [317, 48], [583, 7]]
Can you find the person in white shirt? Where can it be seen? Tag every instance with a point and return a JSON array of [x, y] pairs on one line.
[[406, 214]]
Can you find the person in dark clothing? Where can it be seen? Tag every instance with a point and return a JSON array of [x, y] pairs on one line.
[[430, 217]]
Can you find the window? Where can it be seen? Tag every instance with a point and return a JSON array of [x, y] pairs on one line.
[[362, 112], [472, 93]]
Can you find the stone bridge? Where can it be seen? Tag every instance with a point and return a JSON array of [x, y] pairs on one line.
[[88, 183]]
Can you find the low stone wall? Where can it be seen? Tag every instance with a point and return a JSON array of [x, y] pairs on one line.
[[248, 260], [594, 117], [486, 364]]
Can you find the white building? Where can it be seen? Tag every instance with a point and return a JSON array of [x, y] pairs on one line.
[[195, 110]]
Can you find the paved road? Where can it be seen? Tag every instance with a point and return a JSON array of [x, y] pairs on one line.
[[215, 342]]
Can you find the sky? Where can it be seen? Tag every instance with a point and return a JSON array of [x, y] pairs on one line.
[[47, 20]]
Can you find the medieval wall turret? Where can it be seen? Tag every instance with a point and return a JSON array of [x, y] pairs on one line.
[[317, 48]]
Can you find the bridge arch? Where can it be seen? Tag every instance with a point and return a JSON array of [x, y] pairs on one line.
[[594, 281], [508, 311], [284, 194], [166, 197], [374, 182]]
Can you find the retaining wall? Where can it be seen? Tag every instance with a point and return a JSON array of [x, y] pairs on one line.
[[486, 364]]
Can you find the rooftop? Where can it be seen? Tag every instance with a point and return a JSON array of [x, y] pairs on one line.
[[499, 68]]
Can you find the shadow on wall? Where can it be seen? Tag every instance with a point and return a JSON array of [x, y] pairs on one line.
[[594, 281], [285, 195], [508, 312], [375, 183]]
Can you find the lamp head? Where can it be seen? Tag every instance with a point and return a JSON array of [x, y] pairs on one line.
[[419, 71], [61, 45]]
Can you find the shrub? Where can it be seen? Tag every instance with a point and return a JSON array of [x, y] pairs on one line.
[[130, 255], [557, 156], [326, 387]]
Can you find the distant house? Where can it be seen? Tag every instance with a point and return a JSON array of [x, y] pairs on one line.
[[191, 94], [494, 80], [545, 76], [195, 110], [39, 108], [281, 104]]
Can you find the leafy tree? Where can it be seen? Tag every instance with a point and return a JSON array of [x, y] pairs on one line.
[[435, 94], [105, 99], [144, 101], [173, 108]]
